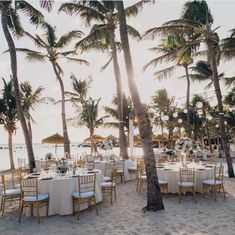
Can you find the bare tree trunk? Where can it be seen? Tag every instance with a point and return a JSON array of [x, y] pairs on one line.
[[187, 102], [224, 141], [122, 136], [12, 50], [154, 197], [63, 115], [10, 149]]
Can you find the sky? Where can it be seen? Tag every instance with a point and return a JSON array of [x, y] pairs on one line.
[[47, 116]]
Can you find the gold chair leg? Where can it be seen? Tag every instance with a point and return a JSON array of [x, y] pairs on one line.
[[111, 196], [137, 185], [78, 213], [47, 208], [115, 195], [224, 192], [214, 190], [3, 205], [179, 194], [37, 212], [124, 178], [21, 210]]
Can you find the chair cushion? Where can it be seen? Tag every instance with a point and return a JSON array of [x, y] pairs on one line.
[[185, 184], [83, 195], [212, 182], [41, 197], [12, 192], [119, 171], [143, 177], [107, 184], [162, 182], [107, 178], [132, 168], [17, 186]]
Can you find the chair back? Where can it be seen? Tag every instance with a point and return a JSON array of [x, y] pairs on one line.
[[108, 169], [21, 163], [3, 183], [212, 159], [29, 187], [219, 173], [120, 165], [86, 183], [114, 176], [90, 165], [140, 170], [187, 175]]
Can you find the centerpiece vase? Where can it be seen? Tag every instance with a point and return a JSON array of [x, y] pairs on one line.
[[183, 159]]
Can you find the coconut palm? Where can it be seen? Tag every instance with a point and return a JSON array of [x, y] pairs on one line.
[[52, 47], [171, 51], [196, 22], [161, 105], [102, 38], [154, 198], [30, 100], [127, 111], [11, 22], [8, 114], [229, 99]]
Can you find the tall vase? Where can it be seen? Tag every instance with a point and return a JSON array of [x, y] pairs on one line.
[[183, 159]]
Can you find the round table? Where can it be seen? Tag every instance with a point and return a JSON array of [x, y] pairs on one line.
[[170, 173], [60, 190]]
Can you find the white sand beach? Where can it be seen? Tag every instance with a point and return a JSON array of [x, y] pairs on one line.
[[126, 217]]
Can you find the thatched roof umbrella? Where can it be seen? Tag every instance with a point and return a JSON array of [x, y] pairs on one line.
[[136, 139], [54, 139], [97, 138], [158, 138], [112, 137]]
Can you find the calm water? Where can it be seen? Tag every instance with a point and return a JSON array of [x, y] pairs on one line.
[[40, 151]]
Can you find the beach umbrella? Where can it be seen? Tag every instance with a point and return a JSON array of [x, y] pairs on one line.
[[159, 137], [54, 139], [136, 139], [97, 138], [112, 137]]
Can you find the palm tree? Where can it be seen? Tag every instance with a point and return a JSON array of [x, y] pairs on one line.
[[30, 100], [154, 198], [11, 21], [161, 105], [229, 99], [196, 22], [171, 51], [8, 114], [102, 38], [127, 111], [52, 47]]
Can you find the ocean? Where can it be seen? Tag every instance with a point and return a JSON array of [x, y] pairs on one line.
[[40, 151]]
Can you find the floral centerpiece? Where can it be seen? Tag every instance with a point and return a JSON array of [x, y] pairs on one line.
[[183, 146], [62, 165]]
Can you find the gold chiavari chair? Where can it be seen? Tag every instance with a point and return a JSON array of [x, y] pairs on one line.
[[31, 197], [215, 184], [16, 175], [187, 182], [8, 195], [80, 163], [109, 188], [108, 169], [163, 185], [141, 177], [120, 166], [212, 160], [85, 193]]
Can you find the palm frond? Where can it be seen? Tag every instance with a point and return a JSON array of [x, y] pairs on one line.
[[111, 125], [67, 38], [86, 13], [165, 73], [136, 8], [37, 40], [229, 81], [46, 4], [32, 56], [67, 53], [106, 64], [132, 32], [79, 61], [35, 16]]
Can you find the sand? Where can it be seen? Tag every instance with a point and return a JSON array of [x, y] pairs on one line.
[[125, 217]]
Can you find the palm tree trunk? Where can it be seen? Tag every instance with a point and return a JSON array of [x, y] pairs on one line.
[[10, 149], [63, 115], [187, 102], [13, 58], [30, 130], [224, 141], [207, 130], [154, 197], [122, 136]]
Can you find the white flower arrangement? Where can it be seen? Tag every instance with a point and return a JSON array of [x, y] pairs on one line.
[[62, 165], [184, 145], [106, 145]]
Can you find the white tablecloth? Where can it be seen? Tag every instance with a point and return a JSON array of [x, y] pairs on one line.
[[60, 191], [171, 174], [127, 164]]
